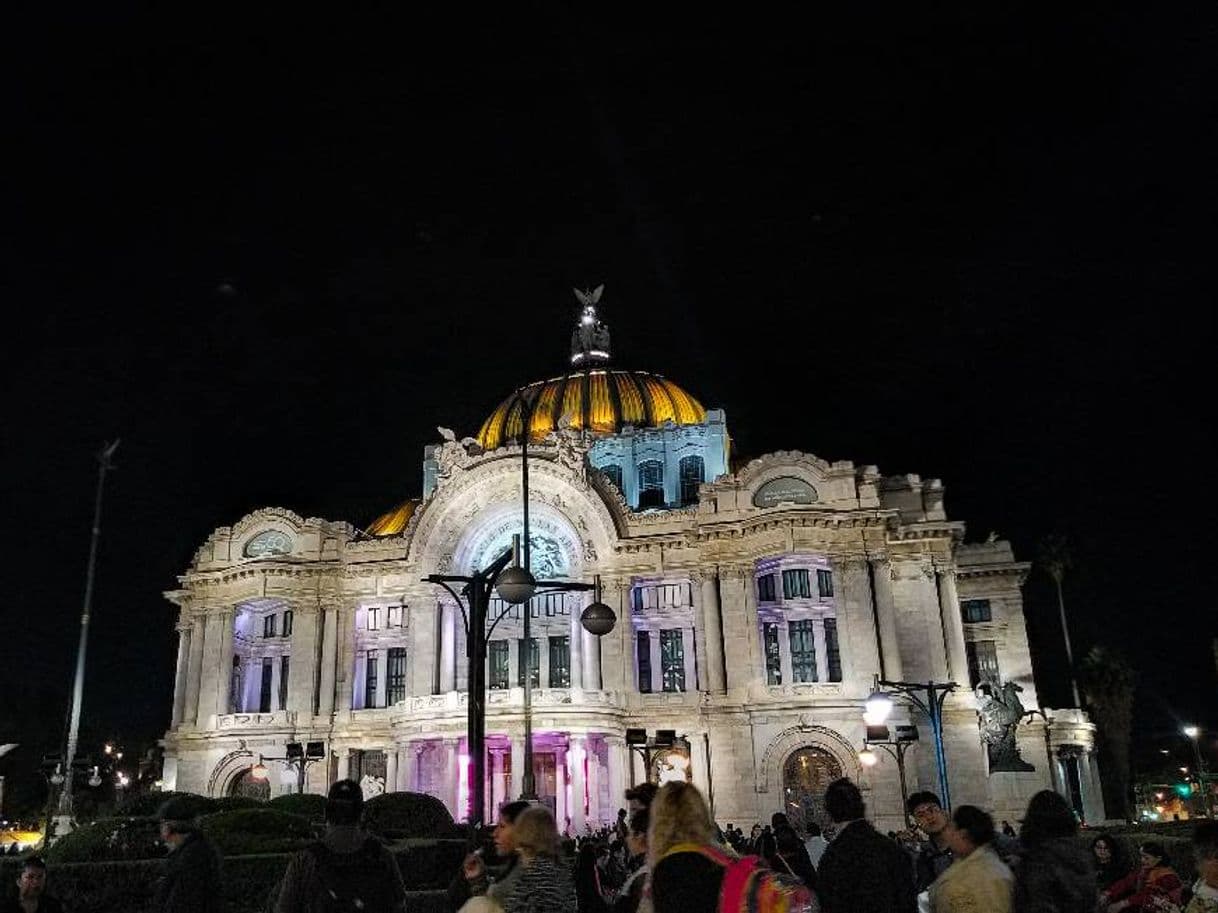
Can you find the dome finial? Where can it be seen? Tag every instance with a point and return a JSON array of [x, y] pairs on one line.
[[590, 339]]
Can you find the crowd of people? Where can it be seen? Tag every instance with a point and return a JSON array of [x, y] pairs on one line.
[[664, 854]]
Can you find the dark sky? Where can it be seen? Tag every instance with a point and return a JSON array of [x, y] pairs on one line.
[[273, 257]]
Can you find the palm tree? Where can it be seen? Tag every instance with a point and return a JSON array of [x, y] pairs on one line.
[[1109, 682], [1054, 557]]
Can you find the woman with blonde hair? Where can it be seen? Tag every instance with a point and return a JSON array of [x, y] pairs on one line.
[[684, 877], [545, 884]]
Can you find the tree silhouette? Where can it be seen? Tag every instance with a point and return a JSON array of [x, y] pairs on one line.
[[1054, 558], [1108, 683]]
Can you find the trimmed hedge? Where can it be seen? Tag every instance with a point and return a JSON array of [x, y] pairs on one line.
[[257, 830], [146, 805], [249, 881], [109, 839], [103, 887], [235, 803], [398, 815], [307, 805]]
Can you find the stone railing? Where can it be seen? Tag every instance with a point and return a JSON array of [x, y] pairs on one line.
[[504, 698], [805, 690]]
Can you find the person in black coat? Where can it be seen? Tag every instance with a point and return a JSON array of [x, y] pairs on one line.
[[192, 871], [862, 869]]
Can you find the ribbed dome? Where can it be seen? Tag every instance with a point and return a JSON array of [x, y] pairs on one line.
[[601, 401], [394, 521]]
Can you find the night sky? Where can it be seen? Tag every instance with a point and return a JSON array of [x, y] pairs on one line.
[[272, 258]]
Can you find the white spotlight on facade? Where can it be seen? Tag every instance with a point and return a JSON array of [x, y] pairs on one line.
[[868, 758], [877, 708]]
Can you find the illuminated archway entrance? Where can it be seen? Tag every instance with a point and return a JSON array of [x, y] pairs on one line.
[[245, 785], [805, 775]]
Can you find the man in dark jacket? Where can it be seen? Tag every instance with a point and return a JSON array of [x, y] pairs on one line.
[[31, 890], [861, 869], [192, 872], [348, 869], [935, 855]]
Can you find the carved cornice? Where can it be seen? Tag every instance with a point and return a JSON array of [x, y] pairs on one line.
[[782, 459]]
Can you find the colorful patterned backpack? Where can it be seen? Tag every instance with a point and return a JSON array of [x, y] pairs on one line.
[[750, 886]]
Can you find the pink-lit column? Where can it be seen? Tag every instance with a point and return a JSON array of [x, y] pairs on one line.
[[577, 758]]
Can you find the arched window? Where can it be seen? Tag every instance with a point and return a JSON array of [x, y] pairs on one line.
[[614, 473], [693, 473], [651, 484], [805, 775]]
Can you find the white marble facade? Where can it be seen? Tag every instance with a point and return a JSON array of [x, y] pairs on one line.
[[751, 621]]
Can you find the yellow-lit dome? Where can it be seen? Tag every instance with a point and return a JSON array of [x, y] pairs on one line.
[[600, 400], [393, 522]]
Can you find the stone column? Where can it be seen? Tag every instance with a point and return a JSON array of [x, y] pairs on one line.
[[561, 812], [408, 766], [616, 651], [690, 651], [617, 773], [225, 684], [592, 660], [452, 787], [1093, 797], [740, 628], [953, 626], [391, 769], [596, 813], [344, 763], [890, 646], [579, 757], [700, 766], [711, 621], [179, 679], [784, 652], [190, 709], [329, 654], [276, 672], [822, 649], [517, 784], [858, 639], [448, 648], [345, 671], [657, 662], [575, 652], [209, 684], [496, 797], [302, 676], [382, 676]]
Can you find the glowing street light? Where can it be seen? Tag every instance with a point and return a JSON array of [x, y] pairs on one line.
[[868, 758], [878, 708]]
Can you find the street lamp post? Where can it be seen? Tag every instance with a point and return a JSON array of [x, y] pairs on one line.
[[896, 748], [515, 586], [1048, 748], [64, 814], [927, 697], [298, 756]]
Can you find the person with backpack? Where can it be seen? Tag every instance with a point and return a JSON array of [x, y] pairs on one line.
[[862, 869], [690, 872], [348, 869]]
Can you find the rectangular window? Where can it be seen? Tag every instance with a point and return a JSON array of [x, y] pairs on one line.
[[614, 472], [765, 588], [803, 651], [374, 619], [643, 646], [824, 583], [691, 469], [393, 616], [672, 660], [982, 662], [534, 661], [834, 655], [500, 671], [975, 610], [264, 692], [560, 662], [283, 681], [796, 584], [268, 626], [395, 676], [287, 623], [651, 484], [773, 656], [370, 682]]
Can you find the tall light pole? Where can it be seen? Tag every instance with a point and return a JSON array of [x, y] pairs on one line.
[[63, 819], [927, 697]]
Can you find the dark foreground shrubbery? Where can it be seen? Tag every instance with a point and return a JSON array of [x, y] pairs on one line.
[[109, 839], [398, 815], [146, 805], [307, 805], [257, 830], [102, 887]]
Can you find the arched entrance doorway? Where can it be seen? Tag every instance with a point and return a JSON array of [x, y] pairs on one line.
[[805, 775], [245, 785]]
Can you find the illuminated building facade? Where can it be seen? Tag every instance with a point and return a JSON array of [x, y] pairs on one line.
[[756, 603]]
